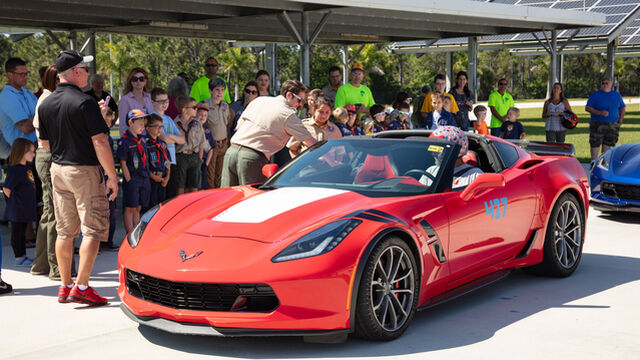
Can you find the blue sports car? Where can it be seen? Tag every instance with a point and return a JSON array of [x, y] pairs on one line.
[[615, 179]]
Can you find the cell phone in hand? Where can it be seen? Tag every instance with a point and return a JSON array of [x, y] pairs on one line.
[[106, 101]]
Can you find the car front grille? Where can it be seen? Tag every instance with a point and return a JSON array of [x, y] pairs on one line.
[[227, 297], [621, 191]]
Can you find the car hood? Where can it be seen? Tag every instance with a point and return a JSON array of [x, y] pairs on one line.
[[263, 216], [625, 160]]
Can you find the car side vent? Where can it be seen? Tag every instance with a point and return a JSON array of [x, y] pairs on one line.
[[527, 247], [433, 240], [530, 163]]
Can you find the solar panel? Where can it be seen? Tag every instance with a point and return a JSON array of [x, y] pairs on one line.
[[617, 11]]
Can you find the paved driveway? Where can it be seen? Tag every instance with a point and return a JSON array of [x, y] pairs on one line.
[[590, 315]]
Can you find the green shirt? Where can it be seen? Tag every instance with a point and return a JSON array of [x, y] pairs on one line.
[[349, 94], [200, 91], [502, 103]]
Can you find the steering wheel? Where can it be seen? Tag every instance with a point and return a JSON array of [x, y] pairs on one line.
[[421, 172]]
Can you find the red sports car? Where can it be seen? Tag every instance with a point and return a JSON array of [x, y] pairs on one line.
[[353, 236]]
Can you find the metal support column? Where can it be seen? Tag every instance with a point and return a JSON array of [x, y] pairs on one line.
[[472, 65], [449, 70], [345, 64], [305, 67], [271, 65], [73, 38], [305, 40], [91, 50], [611, 54], [553, 69], [561, 68]]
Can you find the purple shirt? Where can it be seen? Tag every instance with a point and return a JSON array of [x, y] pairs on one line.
[[128, 103]]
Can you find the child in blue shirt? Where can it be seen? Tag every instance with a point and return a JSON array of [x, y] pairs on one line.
[[132, 154], [439, 116], [20, 189], [159, 160], [512, 128]]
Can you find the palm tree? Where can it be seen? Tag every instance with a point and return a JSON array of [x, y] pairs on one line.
[[235, 61], [117, 61]]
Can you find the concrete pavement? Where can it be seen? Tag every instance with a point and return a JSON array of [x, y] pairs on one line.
[[591, 315]]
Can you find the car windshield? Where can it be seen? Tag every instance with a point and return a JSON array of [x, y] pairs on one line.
[[372, 167]]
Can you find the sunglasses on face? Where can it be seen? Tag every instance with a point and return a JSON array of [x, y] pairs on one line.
[[211, 65], [164, 101], [252, 92], [501, 84], [405, 113], [86, 68], [137, 78], [297, 97], [605, 83]]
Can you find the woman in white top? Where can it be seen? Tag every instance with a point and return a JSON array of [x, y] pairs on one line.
[[553, 111]]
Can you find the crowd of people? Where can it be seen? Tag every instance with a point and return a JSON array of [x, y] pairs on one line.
[[174, 140]]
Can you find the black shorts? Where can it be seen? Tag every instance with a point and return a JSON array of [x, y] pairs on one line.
[[187, 171], [601, 133]]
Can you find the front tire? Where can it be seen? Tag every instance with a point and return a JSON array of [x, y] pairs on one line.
[[564, 239], [388, 292]]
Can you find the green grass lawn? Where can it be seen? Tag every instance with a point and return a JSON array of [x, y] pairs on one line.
[[579, 137]]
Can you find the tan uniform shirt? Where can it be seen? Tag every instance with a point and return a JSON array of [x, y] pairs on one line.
[[330, 92], [218, 120], [320, 133], [267, 124], [194, 137]]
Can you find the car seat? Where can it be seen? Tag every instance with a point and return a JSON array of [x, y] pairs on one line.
[[375, 168]]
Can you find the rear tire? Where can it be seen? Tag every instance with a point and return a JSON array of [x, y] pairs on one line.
[[564, 239], [388, 292]]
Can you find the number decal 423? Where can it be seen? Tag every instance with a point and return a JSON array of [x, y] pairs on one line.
[[497, 208]]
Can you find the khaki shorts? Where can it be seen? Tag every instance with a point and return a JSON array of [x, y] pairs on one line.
[[80, 201]]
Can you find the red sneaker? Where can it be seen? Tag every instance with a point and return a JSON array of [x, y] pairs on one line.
[[63, 294], [89, 297]]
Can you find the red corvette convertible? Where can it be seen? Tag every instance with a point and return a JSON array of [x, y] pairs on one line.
[[349, 238]]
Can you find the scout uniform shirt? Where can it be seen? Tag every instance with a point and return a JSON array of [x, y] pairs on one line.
[[193, 135], [132, 149], [320, 133], [158, 155]]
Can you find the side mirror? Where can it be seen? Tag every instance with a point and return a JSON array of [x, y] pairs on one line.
[[269, 170], [482, 182]]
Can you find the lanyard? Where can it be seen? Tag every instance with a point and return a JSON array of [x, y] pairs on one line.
[[138, 142]]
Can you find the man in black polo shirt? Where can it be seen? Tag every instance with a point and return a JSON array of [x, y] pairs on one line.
[[72, 126]]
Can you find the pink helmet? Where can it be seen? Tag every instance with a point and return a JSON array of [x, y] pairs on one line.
[[452, 134]]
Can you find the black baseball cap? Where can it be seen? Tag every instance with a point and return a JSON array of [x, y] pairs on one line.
[[70, 58]]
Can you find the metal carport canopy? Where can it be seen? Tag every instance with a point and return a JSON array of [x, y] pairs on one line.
[[349, 22]]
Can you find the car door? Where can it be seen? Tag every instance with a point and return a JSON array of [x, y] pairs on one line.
[[491, 227]]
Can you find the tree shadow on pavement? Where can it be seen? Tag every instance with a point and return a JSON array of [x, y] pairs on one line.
[[467, 320]]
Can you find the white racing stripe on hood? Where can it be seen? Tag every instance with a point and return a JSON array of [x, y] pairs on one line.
[[272, 203]]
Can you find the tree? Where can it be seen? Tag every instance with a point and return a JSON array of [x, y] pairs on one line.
[[237, 61]]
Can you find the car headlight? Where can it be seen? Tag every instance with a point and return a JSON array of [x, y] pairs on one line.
[[136, 233], [604, 160], [319, 241]]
